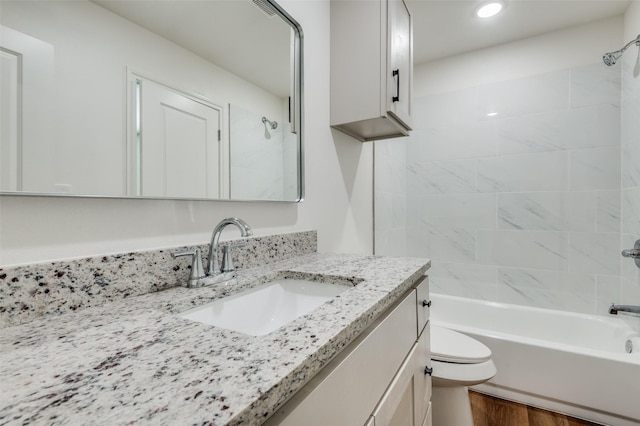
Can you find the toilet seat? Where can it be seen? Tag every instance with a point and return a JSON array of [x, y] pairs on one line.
[[446, 374], [451, 346], [459, 360]]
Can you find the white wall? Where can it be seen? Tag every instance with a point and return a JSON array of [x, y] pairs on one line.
[[338, 201]]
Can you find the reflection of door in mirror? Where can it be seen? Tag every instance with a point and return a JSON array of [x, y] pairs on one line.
[[10, 108], [27, 153], [177, 145]]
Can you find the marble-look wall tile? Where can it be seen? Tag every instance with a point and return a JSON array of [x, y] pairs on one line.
[[390, 201], [382, 206], [452, 142], [538, 93], [391, 165], [547, 211], [462, 279], [607, 292], [550, 161], [532, 172], [595, 84], [390, 242], [441, 177], [446, 109], [476, 211], [631, 211], [630, 100], [524, 249], [629, 291], [550, 299], [548, 289], [548, 131], [595, 253], [390, 211], [608, 210], [414, 212], [443, 243], [630, 274], [609, 131], [595, 168], [631, 161]]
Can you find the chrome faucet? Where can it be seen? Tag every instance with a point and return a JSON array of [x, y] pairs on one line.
[[213, 265], [632, 309], [215, 272]]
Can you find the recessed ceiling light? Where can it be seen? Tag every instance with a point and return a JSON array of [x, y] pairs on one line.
[[488, 10]]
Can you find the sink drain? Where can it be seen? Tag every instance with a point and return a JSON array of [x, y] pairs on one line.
[[628, 346]]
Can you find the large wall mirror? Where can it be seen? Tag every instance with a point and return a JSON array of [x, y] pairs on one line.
[[193, 99]]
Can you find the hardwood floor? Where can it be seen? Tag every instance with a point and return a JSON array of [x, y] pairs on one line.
[[491, 411]]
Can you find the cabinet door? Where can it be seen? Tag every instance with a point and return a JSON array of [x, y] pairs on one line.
[[423, 377], [397, 406], [428, 421], [347, 391], [400, 57]]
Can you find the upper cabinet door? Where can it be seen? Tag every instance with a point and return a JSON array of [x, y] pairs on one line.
[[371, 68], [400, 56]]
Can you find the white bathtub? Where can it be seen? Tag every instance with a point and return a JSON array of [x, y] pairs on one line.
[[570, 363]]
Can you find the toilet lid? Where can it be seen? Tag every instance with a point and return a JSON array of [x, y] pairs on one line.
[[451, 346]]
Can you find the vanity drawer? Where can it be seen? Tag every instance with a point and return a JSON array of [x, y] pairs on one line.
[[423, 303]]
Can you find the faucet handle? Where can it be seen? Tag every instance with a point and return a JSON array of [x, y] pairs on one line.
[[227, 259], [197, 270]]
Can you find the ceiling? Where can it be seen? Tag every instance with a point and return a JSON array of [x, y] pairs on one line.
[[445, 28]]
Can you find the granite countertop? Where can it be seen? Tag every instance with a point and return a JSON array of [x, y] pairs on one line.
[[134, 362]]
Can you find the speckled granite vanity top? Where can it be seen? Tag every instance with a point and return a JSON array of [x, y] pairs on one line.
[[134, 361]]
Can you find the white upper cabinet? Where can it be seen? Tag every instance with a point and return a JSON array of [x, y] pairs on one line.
[[371, 68]]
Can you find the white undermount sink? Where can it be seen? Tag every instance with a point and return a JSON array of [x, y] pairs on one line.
[[265, 308]]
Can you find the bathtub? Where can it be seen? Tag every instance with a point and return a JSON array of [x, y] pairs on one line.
[[566, 362]]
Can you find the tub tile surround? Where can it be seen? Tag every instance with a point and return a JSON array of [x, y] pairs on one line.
[[629, 288], [532, 191], [133, 361], [27, 292]]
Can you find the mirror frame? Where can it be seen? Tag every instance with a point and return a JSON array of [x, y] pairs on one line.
[[297, 124]]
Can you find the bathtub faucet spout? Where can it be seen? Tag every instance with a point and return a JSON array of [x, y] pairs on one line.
[[632, 309]]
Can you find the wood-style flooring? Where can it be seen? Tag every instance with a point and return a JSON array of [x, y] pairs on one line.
[[491, 411]]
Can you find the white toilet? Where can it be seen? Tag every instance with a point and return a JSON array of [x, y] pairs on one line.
[[458, 361]]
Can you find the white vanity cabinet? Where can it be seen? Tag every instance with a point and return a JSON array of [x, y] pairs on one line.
[[371, 68], [379, 379]]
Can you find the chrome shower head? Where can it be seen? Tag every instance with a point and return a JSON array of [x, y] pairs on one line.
[[272, 124], [265, 6], [612, 57]]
